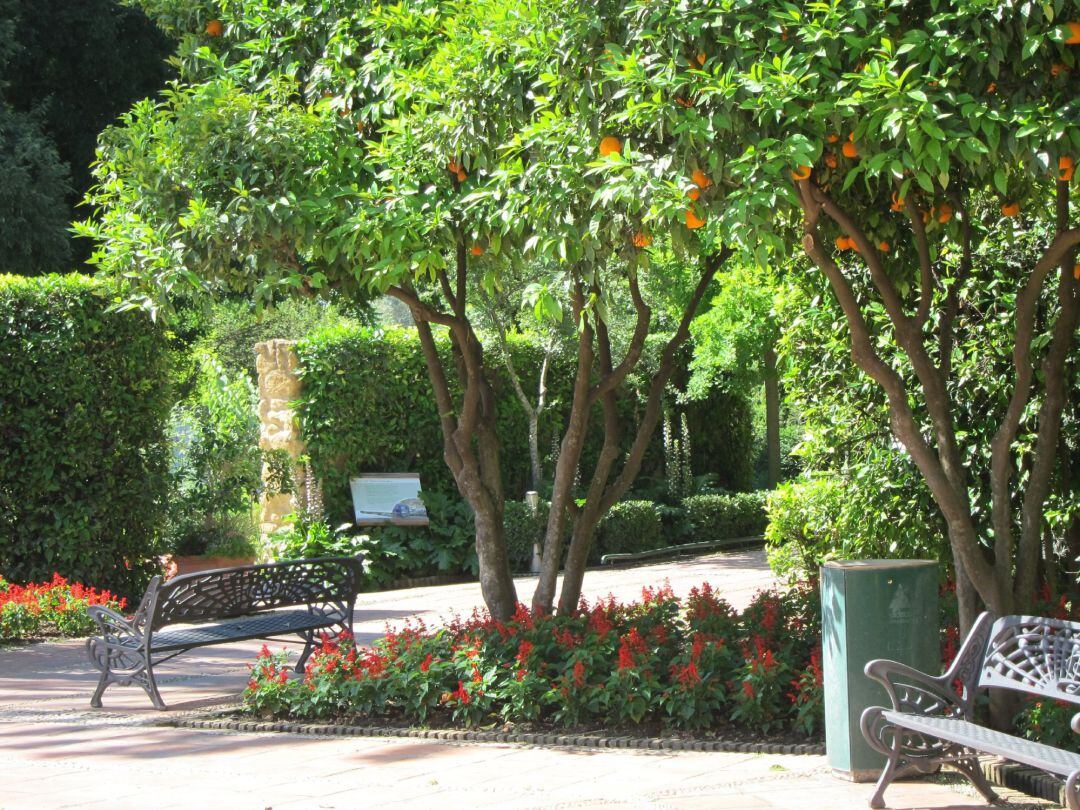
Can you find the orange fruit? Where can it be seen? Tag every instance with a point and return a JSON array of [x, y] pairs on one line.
[[461, 175], [897, 202], [693, 222], [214, 28], [476, 250], [694, 193], [1066, 166], [833, 138], [883, 246], [701, 59], [1058, 68], [682, 101], [1010, 209], [992, 87], [642, 240], [945, 213], [1076, 271], [830, 160], [1074, 33], [453, 167], [701, 180], [850, 150], [844, 243], [610, 146], [801, 173]]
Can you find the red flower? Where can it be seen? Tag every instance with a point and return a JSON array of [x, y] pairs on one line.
[[626, 657], [461, 695], [425, 665], [579, 673], [748, 690]]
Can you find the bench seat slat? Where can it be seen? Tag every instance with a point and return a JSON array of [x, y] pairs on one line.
[[279, 622], [972, 735]]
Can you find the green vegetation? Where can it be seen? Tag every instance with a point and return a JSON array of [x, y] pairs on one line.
[[893, 165], [83, 484]]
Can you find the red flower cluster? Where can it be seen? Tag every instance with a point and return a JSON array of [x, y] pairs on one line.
[[58, 594], [56, 607]]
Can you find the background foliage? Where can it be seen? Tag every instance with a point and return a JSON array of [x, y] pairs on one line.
[[83, 482], [367, 406]]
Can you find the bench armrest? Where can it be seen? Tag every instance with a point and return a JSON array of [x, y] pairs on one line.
[[112, 626], [916, 692]]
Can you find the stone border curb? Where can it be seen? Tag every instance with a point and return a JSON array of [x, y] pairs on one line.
[[522, 738], [1023, 779]]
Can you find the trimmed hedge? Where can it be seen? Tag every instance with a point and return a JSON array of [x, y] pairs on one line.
[[630, 526], [719, 517], [367, 406], [83, 482]]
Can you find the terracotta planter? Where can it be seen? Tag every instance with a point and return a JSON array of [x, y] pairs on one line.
[[190, 564]]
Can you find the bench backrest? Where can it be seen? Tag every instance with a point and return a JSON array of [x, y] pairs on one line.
[[1034, 654], [227, 592]]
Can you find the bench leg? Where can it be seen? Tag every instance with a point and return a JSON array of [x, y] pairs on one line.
[[103, 683], [1072, 799], [309, 648], [970, 768], [877, 801], [146, 680]]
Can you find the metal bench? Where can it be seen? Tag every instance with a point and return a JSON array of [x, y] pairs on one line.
[[931, 721], [304, 598]]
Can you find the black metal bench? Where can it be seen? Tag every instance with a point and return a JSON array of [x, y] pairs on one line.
[[304, 598], [931, 723]]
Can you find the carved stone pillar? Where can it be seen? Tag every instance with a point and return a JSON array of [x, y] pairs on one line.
[[279, 386]]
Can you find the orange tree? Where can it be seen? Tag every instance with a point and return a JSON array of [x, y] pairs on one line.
[[416, 150], [888, 142]]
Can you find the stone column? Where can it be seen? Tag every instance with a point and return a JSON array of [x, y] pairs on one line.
[[279, 385]]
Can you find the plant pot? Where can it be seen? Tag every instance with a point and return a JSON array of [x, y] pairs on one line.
[[193, 563]]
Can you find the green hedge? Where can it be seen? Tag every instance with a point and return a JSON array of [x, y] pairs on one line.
[[367, 406], [85, 401], [629, 527], [720, 517]]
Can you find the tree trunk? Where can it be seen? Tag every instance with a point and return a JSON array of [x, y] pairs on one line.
[[496, 581], [772, 417]]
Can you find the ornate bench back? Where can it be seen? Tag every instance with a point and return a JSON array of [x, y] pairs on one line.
[[227, 592], [1034, 654]]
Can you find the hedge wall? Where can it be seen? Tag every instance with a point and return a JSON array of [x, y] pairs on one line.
[[367, 406], [82, 433]]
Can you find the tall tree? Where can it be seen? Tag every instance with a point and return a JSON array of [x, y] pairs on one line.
[[72, 68], [415, 150], [886, 129], [735, 347]]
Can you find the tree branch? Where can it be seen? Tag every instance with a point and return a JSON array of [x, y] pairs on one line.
[[710, 265]]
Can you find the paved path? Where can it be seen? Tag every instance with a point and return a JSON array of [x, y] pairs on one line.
[[56, 752]]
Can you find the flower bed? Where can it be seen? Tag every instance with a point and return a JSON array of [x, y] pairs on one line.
[[695, 666], [54, 608]]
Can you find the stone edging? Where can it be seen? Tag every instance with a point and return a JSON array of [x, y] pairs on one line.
[[1023, 779], [523, 738]]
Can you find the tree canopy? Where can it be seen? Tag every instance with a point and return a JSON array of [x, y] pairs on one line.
[[423, 148]]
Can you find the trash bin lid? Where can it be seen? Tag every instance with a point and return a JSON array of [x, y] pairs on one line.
[[877, 564]]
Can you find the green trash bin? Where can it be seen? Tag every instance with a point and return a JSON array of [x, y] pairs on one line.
[[871, 609]]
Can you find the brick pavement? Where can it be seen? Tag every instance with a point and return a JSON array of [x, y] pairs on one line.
[[57, 752]]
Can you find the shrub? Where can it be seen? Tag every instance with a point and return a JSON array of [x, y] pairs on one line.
[[629, 527], [827, 517], [608, 664], [82, 434], [804, 525], [215, 466], [522, 530], [719, 517], [53, 608]]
